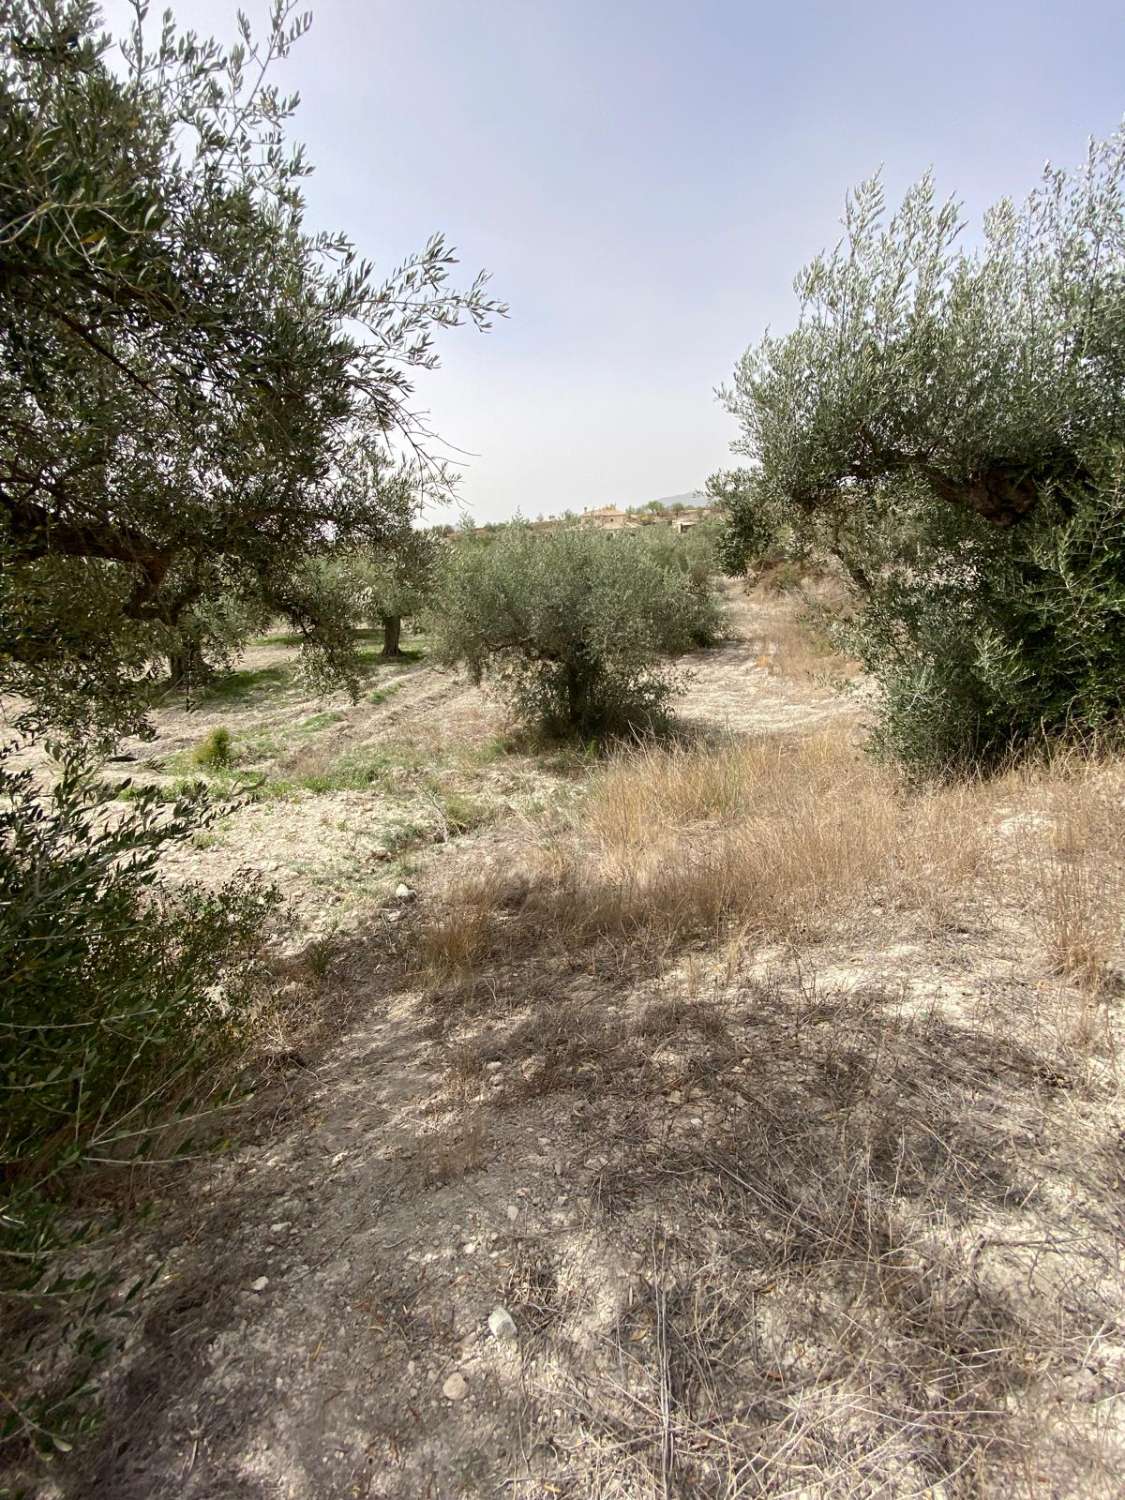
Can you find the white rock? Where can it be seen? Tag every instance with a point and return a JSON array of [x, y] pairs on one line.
[[280, 1227], [513, 1212], [260, 1285], [502, 1325], [404, 893], [456, 1387]]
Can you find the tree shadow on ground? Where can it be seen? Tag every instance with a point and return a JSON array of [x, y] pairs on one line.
[[858, 1245]]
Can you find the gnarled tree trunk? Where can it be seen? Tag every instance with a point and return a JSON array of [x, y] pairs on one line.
[[392, 632]]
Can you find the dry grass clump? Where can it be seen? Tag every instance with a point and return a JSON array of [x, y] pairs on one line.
[[780, 838], [1064, 824], [786, 839], [798, 652], [1082, 878]]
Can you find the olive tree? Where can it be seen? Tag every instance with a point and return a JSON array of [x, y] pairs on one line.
[[194, 386], [200, 398], [395, 583], [574, 626], [945, 420]]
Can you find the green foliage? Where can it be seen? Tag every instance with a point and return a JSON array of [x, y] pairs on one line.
[[215, 750], [196, 393], [1002, 641], [982, 376], [120, 996], [572, 625], [752, 531], [385, 586], [693, 555], [946, 423]]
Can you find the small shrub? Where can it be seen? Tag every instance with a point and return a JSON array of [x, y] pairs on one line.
[[461, 814], [781, 577], [217, 750]]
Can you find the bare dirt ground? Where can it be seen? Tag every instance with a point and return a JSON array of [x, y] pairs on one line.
[[837, 1216]]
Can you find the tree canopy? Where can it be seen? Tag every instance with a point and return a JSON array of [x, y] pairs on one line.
[[983, 376], [196, 391], [948, 423], [572, 625]]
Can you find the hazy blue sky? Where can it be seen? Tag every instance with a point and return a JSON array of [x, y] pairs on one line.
[[643, 180]]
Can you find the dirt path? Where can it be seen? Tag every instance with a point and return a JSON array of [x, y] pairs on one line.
[[606, 1152], [739, 686]]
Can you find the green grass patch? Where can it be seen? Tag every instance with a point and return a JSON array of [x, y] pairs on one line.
[[386, 767], [216, 750], [321, 721], [240, 686], [463, 813]]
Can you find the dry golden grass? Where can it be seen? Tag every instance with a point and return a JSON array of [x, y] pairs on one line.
[[1082, 877], [799, 653], [792, 628], [786, 840], [779, 839]]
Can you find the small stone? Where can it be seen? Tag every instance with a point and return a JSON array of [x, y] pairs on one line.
[[502, 1325], [470, 1248], [456, 1387], [513, 1212], [280, 1227], [260, 1285], [494, 1067], [404, 893]]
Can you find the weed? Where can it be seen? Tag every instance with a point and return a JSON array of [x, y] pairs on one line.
[[460, 813], [320, 958], [217, 750]]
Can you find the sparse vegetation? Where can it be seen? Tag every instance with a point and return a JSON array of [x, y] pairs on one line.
[[643, 1107]]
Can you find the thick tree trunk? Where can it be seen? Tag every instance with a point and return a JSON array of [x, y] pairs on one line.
[[392, 632]]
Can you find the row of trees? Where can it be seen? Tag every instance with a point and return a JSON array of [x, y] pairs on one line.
[[573, 627], [947, 425], [198, 395], [202, 404]]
